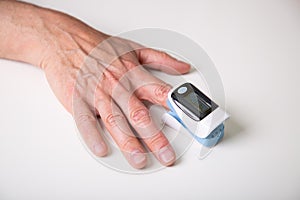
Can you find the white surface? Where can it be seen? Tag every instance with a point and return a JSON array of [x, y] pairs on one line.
[[256, 48]]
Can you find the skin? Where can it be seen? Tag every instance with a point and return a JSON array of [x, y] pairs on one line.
[[94, 76]]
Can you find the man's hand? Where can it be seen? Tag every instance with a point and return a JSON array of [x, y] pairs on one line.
[[95, 75]]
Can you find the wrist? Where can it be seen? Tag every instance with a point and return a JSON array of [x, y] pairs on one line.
[[38, 35], [21, 37]]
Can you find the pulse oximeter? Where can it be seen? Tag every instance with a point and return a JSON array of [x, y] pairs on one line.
[[197, 113]]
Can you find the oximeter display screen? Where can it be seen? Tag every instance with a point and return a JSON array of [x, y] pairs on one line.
[[197, 102], [192, 101]]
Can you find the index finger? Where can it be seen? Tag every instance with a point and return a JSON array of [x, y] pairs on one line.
[[148, 87]]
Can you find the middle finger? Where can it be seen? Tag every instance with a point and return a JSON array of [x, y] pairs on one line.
[[139, 117]]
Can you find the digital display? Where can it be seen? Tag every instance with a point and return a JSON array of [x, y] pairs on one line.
[[197, 102], [192, 101]]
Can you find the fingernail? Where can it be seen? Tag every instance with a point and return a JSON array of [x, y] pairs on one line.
[[100, 149], [166, 154], [138, 157]]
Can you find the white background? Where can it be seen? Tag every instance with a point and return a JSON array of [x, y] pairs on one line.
[[255, 46]]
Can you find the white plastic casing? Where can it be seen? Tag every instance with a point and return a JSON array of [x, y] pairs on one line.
[[200, 128]]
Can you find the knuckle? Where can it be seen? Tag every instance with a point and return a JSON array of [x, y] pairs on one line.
[[162, 90], [157, 141], [142, 93], [130, 63], [86, 118], [140, 116], [117, 70], [113, 120], [127, 143], [164, 55]]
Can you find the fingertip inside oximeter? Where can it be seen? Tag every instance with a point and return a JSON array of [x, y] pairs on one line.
[[192, 108]]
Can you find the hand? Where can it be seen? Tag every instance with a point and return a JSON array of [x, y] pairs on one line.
[[95, 75]]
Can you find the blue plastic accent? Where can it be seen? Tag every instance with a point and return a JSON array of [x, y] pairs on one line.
[[211, 140]]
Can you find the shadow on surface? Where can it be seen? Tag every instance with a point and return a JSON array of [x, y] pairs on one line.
[[233, 129]]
